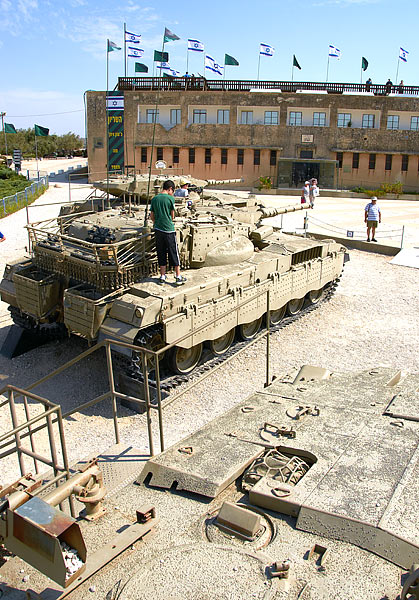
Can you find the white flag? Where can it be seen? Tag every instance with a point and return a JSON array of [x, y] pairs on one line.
[[403, 55], [212, 65], [174, 73], [133, 38], [266, 50], [195, 45], [135, 52], [333, 51]]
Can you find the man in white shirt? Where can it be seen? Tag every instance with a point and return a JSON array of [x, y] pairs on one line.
[[372, 218], [183, 191]]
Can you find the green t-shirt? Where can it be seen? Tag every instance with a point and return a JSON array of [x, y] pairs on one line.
[[162, 205]]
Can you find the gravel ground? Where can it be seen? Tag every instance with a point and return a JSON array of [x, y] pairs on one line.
[[372, 320]]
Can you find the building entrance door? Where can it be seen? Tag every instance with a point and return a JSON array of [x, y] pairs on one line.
[[303, 171]]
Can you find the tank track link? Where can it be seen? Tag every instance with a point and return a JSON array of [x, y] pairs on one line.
[[45, 331], [132, 368]]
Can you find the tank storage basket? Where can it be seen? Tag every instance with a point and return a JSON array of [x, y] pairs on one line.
[[37, 292], [85, 309]]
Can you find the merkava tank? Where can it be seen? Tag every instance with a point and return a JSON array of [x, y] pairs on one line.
[[95, 275]]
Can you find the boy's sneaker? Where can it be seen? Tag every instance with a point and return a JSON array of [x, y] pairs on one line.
[[373, 240], [180, 280], [162, 279]]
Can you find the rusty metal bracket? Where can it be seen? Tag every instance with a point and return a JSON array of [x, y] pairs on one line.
[[303, 411], [322, 554], [279, 430], [186, 450], [145, 514]]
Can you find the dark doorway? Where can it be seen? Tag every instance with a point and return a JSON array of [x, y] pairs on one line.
[[302, 171], [306, 153]]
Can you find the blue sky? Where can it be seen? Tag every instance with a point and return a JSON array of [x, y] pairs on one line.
[[52, 51]]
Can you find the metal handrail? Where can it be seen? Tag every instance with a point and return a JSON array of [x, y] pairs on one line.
[[233, 85]]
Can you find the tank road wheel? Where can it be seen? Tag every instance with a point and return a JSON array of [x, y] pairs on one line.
[[184, 360], [221, 344], [278, 315], [294, 306], [315, 296], [247, 331]]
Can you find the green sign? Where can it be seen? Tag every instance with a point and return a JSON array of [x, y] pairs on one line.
[[115, 116]]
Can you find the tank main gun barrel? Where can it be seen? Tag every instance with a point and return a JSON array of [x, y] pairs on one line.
[[270, 211], [222, 181]]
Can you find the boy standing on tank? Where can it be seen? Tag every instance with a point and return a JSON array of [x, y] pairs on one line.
[[162, 213]]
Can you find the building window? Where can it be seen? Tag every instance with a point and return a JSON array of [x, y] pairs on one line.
[[175, 155], [393, 122], [207, 156], [339, 158], [344, 119], [355, 160], [223, 117], [272, 159], [246, 117], [306, 153], [144, 155], [319, 119], [224, 153], [371, 162], [368, 121], [389, 161], [414, 123], [175, 117], [295, 118], [405, 162], [240, 156], [271, 117], [199, 115], [191, 156], [159, 153], [152, 115], [256, 157]]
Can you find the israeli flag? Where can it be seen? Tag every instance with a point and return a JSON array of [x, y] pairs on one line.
[[333, 51], [403, 55], [135, 52], [174, 73], [266, 50], [212, 65], [165, 66], [115, 102], [195, 45], [132, 38]]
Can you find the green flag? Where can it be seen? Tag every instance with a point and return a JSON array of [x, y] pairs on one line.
[[112, 46], [168, 76], [230, 60], [41, 131], [9, 128], [169, 36], [295, 63], [161, 56], [364, 64], [140, 68]]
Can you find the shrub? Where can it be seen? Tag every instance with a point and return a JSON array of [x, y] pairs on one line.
[[392, 188], [265, 183]]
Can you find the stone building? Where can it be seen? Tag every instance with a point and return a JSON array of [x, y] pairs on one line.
[[341, 133]]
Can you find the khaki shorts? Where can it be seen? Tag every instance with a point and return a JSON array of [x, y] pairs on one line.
[[372, 224]]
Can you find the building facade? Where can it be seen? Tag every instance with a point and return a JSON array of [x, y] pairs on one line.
[[345, 139]]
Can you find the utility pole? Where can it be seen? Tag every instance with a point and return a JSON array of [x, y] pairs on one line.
[[2, 115]]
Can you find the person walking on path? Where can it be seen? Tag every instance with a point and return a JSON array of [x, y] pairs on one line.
[[372, 218], [162, 213], [2, 237], [305, 193], [314, 191]]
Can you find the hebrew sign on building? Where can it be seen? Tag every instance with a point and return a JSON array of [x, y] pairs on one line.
[[115, 116]]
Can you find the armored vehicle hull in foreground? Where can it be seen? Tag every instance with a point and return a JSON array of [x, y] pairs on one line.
[[95, 275]]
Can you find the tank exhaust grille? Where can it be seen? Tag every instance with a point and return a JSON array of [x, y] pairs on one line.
[[306, 255]]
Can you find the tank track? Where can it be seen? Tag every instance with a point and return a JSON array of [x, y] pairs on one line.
[[45, 331], [169, 381]]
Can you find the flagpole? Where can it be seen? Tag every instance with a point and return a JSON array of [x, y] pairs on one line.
[[2, 115], [327, 71], [107, 125], [259, 65], [187, 58], [125, 48], [292, 71], [361, 71], [397, 72], [36, 154]]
